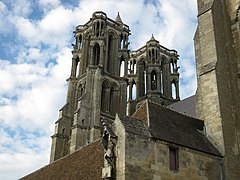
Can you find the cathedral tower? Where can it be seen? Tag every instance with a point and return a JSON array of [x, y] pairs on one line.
[[104, 74], [96, 87], [217, 46], [153, 74]]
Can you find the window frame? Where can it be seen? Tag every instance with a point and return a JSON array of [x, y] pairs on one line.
[[173, 159]]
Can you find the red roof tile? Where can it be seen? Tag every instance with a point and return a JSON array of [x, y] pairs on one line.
[[84, 164]]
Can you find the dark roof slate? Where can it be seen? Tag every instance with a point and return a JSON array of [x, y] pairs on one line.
[[135, 126], [84, 164], [173, 127], [186, 106]]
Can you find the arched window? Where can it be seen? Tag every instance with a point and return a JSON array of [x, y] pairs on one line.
[[165, 72], [112, 101], [102, 27], [121, 41], [122, 67], [96, 54], [80, 42], [142, 78], [172, 66], [111, 60], [153, 56], [134, 90], [125, 43], [174, 91], [145, 78], [77, 66], [104, 99], [98, 30], [153, 80], [134, 67]]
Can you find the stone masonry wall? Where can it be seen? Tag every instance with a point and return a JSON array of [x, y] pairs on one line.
[[148, 159], [217, 93]]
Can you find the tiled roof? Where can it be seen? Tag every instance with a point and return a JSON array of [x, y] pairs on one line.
[[84, 164], [185, 106], [176, 128], [135, 126], [141, 113]]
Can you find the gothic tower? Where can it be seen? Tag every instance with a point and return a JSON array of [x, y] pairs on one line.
[[217, 46], [95, 88], [153, 74]]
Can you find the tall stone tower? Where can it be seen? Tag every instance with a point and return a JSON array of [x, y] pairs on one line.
[[103, 75], [153, 74], [217, 46], [95, 88]]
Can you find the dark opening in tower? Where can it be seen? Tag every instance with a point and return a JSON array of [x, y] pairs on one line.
[[153, 80], [96, 54]]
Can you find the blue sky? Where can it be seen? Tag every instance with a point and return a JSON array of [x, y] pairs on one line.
[[35, 61]]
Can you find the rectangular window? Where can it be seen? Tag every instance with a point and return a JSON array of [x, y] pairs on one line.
[[173, 159]]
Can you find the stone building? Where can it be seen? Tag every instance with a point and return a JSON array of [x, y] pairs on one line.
[[103, 72], [123, 118]]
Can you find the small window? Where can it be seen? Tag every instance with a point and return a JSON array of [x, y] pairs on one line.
[[173, 159]]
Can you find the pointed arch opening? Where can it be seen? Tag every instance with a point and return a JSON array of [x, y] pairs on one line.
[[153, 56], [128, 94], [142, 78], [121, 41], [134, 90], [112, 60], [153, 80], [174, 89], [172, 66], [134, 67], [102, 29], [105, 97], [96, 54], [122, 67], [112, 101], [77, 66], [98, 29], [79, 42]]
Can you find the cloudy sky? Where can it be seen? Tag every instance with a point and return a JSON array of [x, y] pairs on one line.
[[35, 60]]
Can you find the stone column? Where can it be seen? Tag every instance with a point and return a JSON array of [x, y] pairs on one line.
[[107, 100], [91, 54], [73, 73], [177, 89], [101, 54], [130, 91], [149, 82]]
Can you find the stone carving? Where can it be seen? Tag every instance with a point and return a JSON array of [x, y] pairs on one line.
[[109, 140]]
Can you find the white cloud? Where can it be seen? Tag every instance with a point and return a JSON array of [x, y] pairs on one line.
[[56, 21], [32, 83], [21, 8], [47, 3]]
